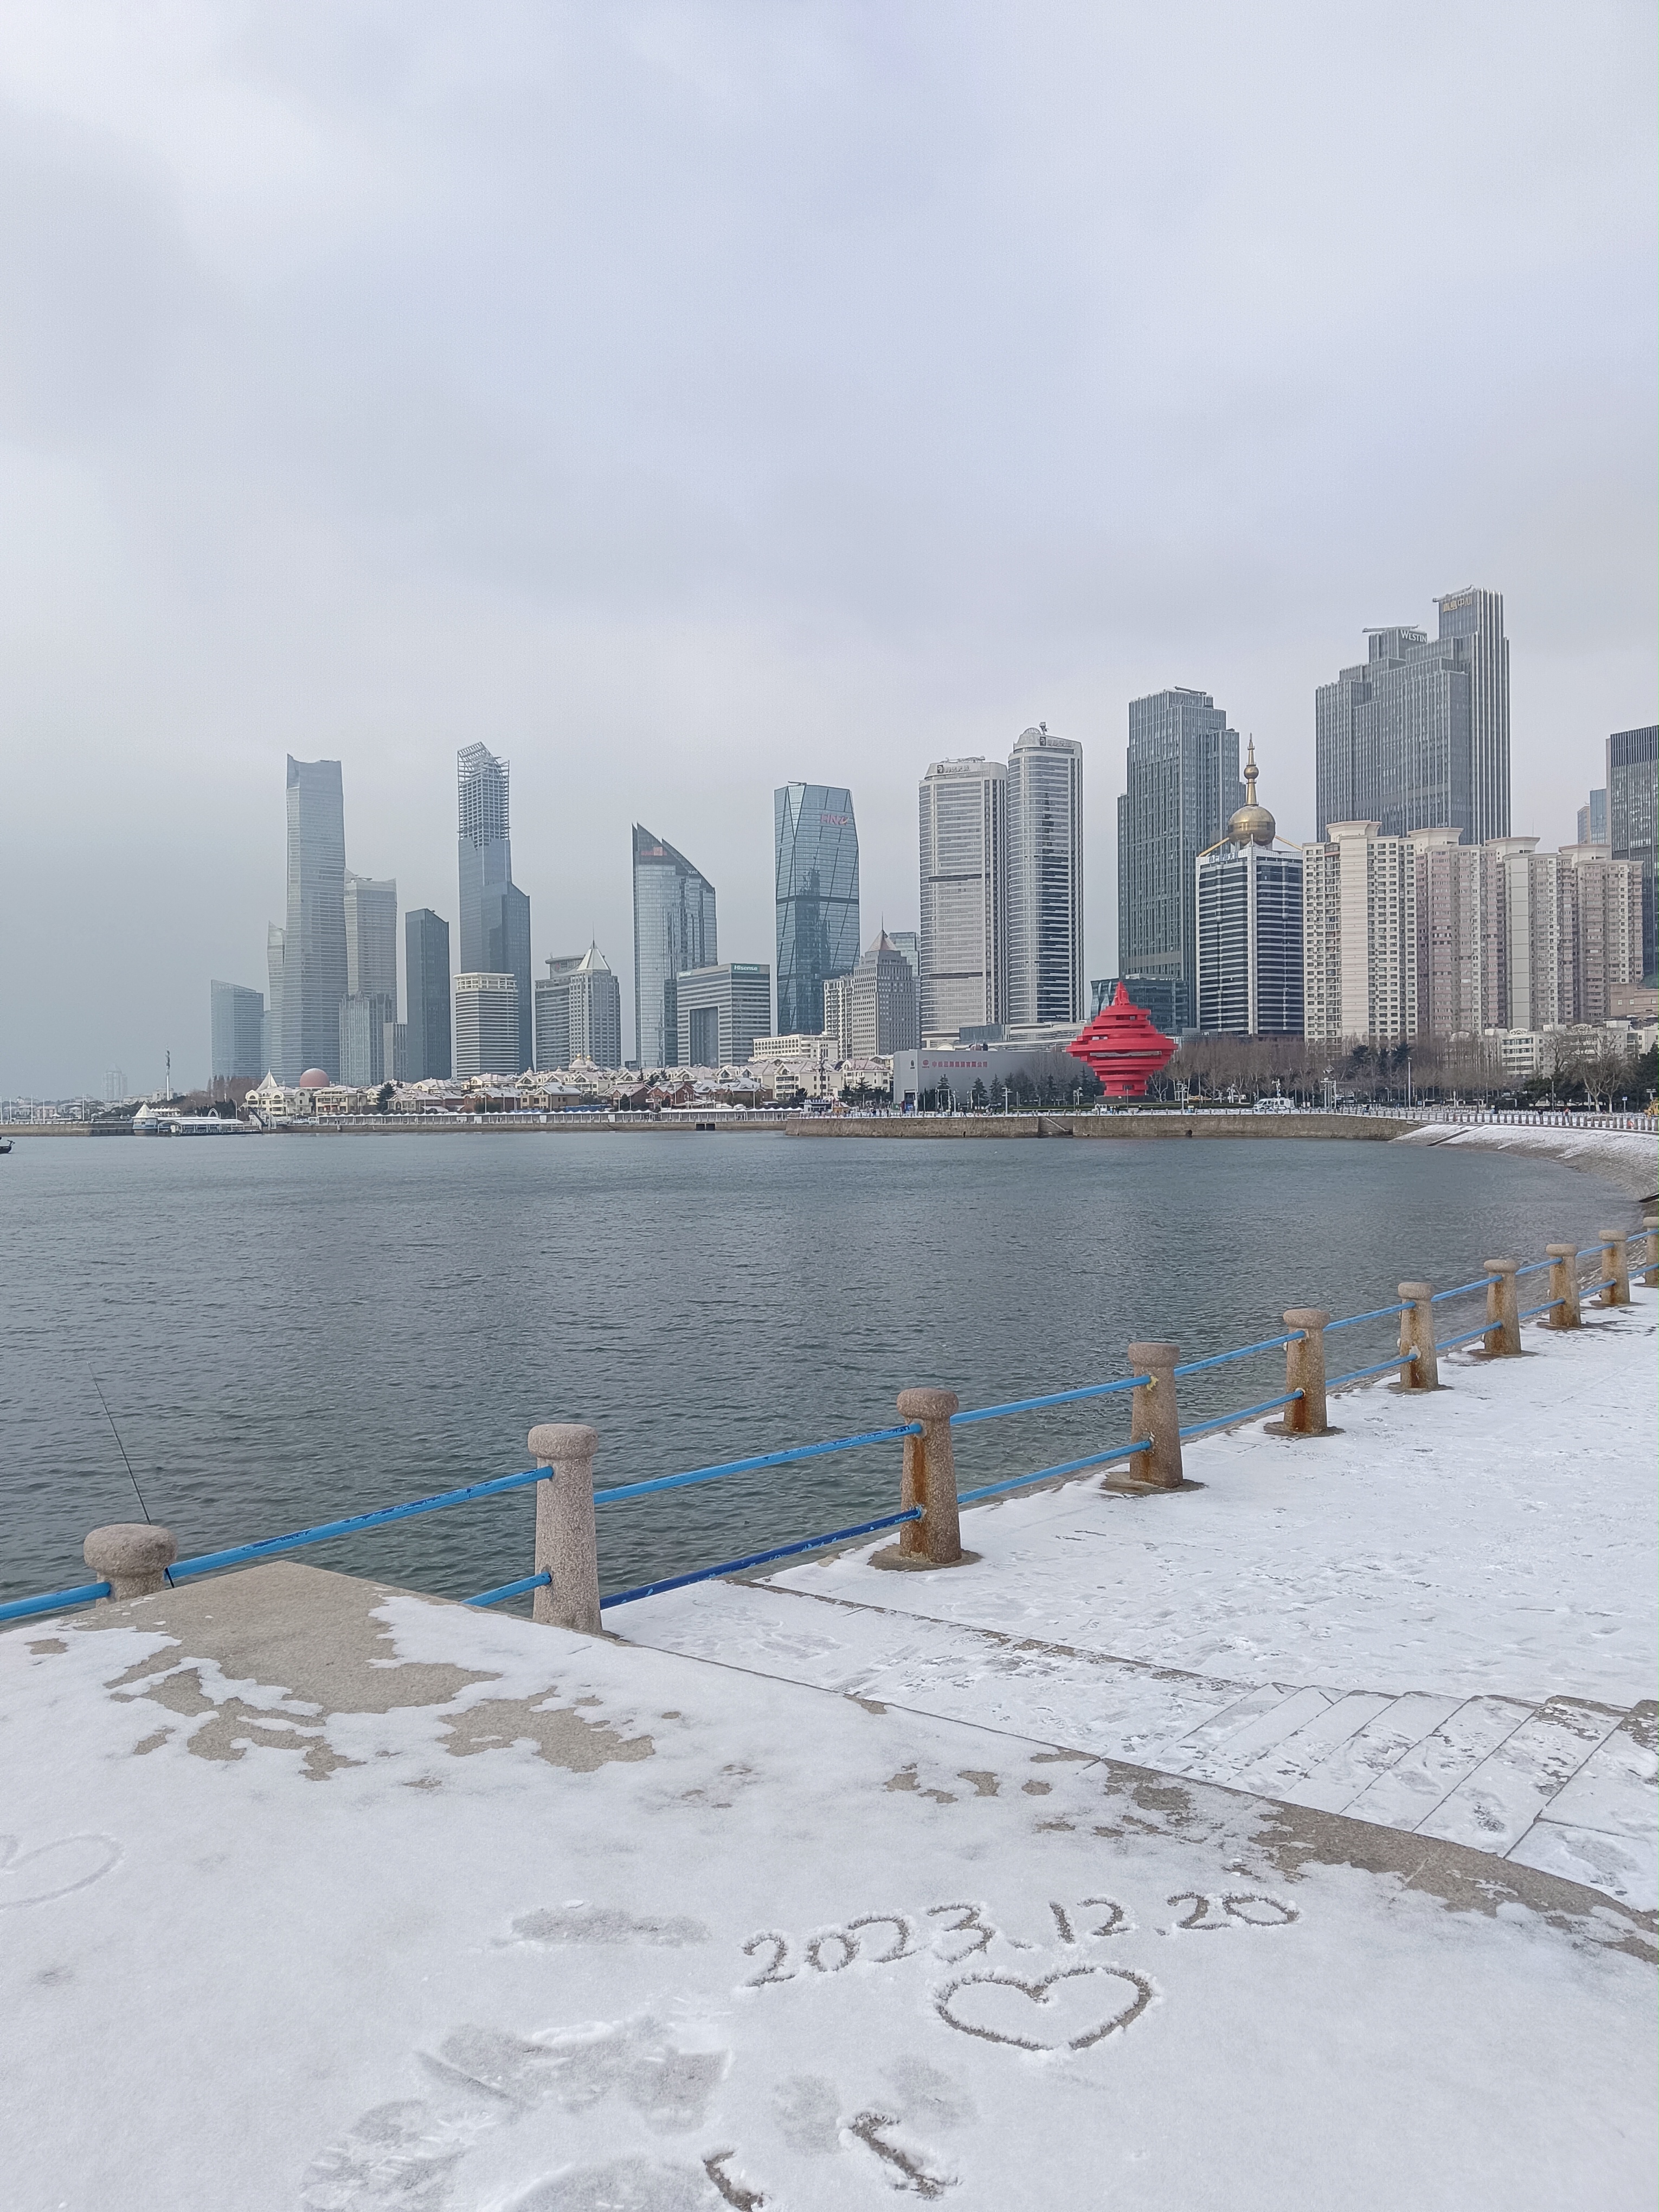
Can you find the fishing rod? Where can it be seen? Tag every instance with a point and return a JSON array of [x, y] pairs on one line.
[[126, 1463]]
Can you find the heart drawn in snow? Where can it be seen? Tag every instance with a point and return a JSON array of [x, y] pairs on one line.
[[1063, 2011], [53, 1870]]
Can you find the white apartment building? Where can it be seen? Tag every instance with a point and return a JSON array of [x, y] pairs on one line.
[[1045, 980], [486, 1025], [1359, 937], [962, 806]]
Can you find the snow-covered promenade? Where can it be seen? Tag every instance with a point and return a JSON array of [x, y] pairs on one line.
[[1285, 1840]]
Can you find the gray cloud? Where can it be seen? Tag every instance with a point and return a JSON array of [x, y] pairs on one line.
[[685, 397]]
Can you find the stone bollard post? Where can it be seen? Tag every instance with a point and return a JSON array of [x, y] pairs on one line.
[[1420, 1370], [1615, 1269], [1563, 1285], [567, 1544], [1503, 1338], [1650, 1273], [1304, 1370], [131, 1556], [929, 1480], [1155, 1416]]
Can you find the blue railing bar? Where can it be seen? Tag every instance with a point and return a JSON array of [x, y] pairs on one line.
[[1382, 1313], [1463, 1289], [618, 1494], [209, 1562], [1244, 1352], [1054, 1397], [1050, 1473], [1245, 1413], [25, 1608], [1531, 1312], [1363, 1374], [510, 1589], [761, 1559], [1467, 1337], [1536, 1268], [1590, 1252]]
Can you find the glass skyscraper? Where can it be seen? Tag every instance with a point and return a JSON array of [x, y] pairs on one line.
[[314, 941], [1632, 778], [1417, 737], [1045, 878], [1249, 928], [964, 876], [674, 929], [371, 920], [1183, 789], [815, 871], [495, 913], [426, 978], [238, 1027]]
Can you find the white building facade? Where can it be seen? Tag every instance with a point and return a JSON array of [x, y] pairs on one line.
[[1044, 960], [964, 881], [486, 1025]]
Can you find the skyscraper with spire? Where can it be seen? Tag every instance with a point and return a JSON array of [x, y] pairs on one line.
[[494, 916]]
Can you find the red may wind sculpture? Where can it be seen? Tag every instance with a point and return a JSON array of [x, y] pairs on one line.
[[1123, 1048]]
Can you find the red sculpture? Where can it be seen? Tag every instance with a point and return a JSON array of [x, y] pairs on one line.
[[1123, 1048]]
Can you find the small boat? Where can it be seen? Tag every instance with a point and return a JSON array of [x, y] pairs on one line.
[[5, 1144]]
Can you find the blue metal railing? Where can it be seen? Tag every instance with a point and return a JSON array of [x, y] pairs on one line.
[[615, 1494]]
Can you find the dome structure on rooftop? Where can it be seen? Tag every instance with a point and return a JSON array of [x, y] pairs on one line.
[[315, 1079], [1252, 824]]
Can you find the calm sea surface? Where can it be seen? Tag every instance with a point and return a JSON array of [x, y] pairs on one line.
[[288, 1330]]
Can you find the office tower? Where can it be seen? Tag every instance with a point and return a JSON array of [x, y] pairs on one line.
[[872, 1013], [238, 1023], [674, 929], [1249, 928], [1183, 789], [722, 1010], [314, 941], [370, 921], [578, 1012], [814, 854], [1417, 735], [270, 1039], [1156, 995], [486, 1025], [965, 877], [1359, 937], [368, 1023], [494, 919], [426, 982], [1045, 878], [1632, 774], [1592, 820], [908, 942]]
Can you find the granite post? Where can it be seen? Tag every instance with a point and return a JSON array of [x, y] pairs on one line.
[[929, 1480], [1304, 1370], [1421, 1368], [1563, 1285], [131, 1556], [567, 1544], [1154, 1416], [1503, 1338], [1615, 1269]]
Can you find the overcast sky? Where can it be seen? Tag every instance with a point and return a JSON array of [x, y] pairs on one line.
[[686, 399]]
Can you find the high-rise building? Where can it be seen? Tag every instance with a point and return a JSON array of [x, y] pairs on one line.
[[1183, 789], [1249, 928], [238, 1023], [872, 1013], [1155, 995], [578, 1012], [369, 1024], [371, 924], [315, 940], [1045, 878], [674, 929], [1632, 777], [964, 876], [815, 854], [1359, 937], [271, 1038], [1601, 936], [1460, 963], [908, 943], [1530, 905], [1418, 733], [495, 915], [486, 1025], [426, 979], [722, 1010], [1592, 820]]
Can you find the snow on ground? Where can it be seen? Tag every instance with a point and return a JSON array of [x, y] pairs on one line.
[[331, 1898], [1628, 1157], [1496, 1535]]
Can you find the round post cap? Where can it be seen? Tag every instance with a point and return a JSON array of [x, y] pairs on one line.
[[1415, 1291], [1501, 1267], [554, 1442], [926, 1404], [1306, 1317], [1154, 1355], [128, 1548], [1562, 1251]]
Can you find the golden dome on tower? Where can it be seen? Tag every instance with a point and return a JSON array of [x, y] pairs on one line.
[[1252, 824]]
